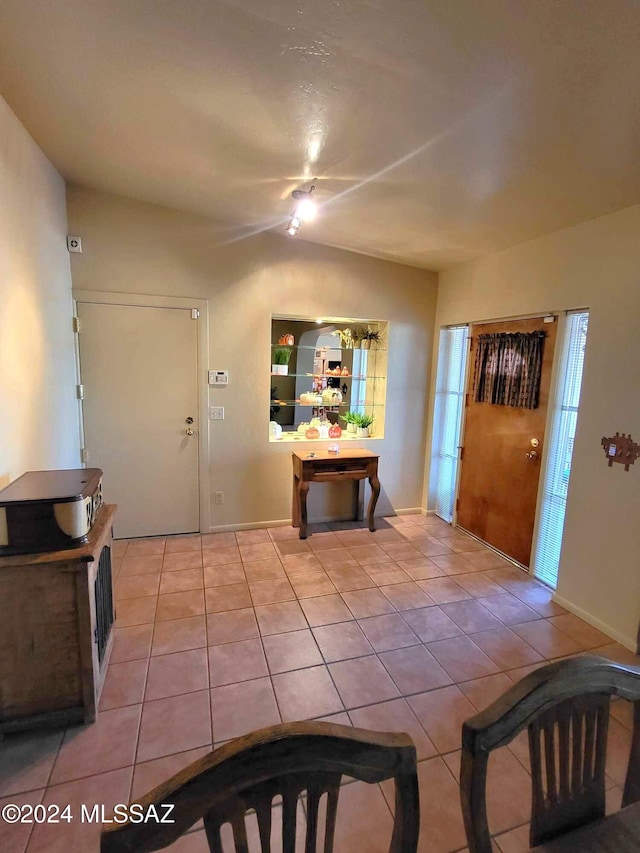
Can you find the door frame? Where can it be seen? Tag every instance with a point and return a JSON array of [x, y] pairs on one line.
[[561, 319], [202, 334]]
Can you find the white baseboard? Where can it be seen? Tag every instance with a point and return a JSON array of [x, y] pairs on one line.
[[628, 642], [250, 525], [286, 522]]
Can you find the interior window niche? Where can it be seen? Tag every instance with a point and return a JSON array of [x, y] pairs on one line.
[[328, 379]]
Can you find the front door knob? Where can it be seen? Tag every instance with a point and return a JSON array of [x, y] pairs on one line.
[[189, 431], [532, 454]]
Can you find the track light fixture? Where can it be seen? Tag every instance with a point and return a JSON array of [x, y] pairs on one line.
[[305, 210]]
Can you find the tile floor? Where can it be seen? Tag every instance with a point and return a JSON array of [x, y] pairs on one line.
[[413, 628]]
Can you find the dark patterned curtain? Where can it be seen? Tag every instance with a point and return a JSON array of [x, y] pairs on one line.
[[508, 368]]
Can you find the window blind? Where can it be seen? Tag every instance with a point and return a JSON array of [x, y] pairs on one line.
[[449, 402], [558, 470]]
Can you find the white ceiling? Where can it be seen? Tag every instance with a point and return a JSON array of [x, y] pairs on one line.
[[435, 130]]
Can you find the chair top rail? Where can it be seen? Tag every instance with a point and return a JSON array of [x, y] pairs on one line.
[[542, 689], [263, 755]]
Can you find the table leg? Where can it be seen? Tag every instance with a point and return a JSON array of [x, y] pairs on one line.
[[303, 488], [295, 504], [374, 482]]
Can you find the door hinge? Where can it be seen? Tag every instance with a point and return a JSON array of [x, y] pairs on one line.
[[461, 449], [457, 504], [195, 313], [466, 399], [77, 325], [80, 392], [84, 454]]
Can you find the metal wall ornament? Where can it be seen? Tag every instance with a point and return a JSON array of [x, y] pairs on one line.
[[621, 448]]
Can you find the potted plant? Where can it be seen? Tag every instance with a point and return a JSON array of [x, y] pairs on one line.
[[369, 339], [281, 356], [359, 335], [362, 425], [350, 420]]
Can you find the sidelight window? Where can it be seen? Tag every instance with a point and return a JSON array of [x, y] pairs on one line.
[[447, 418], [558, 470]]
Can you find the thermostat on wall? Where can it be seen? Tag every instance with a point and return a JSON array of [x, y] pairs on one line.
[[218, 377]]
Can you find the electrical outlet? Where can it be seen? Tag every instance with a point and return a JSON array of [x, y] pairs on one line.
[[219, 498], [216, 413]]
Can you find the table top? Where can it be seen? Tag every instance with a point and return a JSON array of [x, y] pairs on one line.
[[618, 833], [352, 453]]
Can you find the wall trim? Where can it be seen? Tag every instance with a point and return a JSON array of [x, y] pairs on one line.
[[286, 522], [628, 642]]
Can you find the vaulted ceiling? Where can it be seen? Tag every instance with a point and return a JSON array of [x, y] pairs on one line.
[[434, 130]]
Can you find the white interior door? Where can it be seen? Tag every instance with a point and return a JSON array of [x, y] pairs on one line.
[[139, 371]]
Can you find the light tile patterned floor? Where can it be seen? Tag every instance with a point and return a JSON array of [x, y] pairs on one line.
[[413, 628]]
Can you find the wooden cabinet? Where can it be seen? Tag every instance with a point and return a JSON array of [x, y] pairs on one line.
[[56, 631]]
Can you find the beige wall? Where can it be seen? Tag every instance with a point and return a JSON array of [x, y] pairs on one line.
[[140, 248], [38, 409], [594, 265]]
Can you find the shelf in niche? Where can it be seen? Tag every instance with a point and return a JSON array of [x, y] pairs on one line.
[[359, 377], [337, 349], [353, 404]]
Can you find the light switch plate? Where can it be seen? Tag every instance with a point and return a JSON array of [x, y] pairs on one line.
[[216, 413]]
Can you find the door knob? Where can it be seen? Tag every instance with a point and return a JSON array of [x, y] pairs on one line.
[[189, 431], [532, 454]]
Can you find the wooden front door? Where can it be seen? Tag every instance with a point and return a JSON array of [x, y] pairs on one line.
[[498, 483]]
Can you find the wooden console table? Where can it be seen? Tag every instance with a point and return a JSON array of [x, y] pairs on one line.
[[319, 466]]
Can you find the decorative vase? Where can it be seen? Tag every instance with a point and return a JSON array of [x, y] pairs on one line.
[[363, 432], [280, 369], [351, 428], [331, 397]]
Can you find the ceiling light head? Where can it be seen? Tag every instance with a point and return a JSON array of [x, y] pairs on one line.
[[305, 210], [306, 207]]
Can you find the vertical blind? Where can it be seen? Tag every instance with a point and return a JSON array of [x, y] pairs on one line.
[[449, 403], [558, 470]]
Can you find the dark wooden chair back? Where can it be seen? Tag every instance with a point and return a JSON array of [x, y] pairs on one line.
[[280, 761], [565, 707]]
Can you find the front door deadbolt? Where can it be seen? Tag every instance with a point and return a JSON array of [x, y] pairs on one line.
[[535, 442]]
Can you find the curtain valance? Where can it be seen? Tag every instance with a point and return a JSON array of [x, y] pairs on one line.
[[507, 369]]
